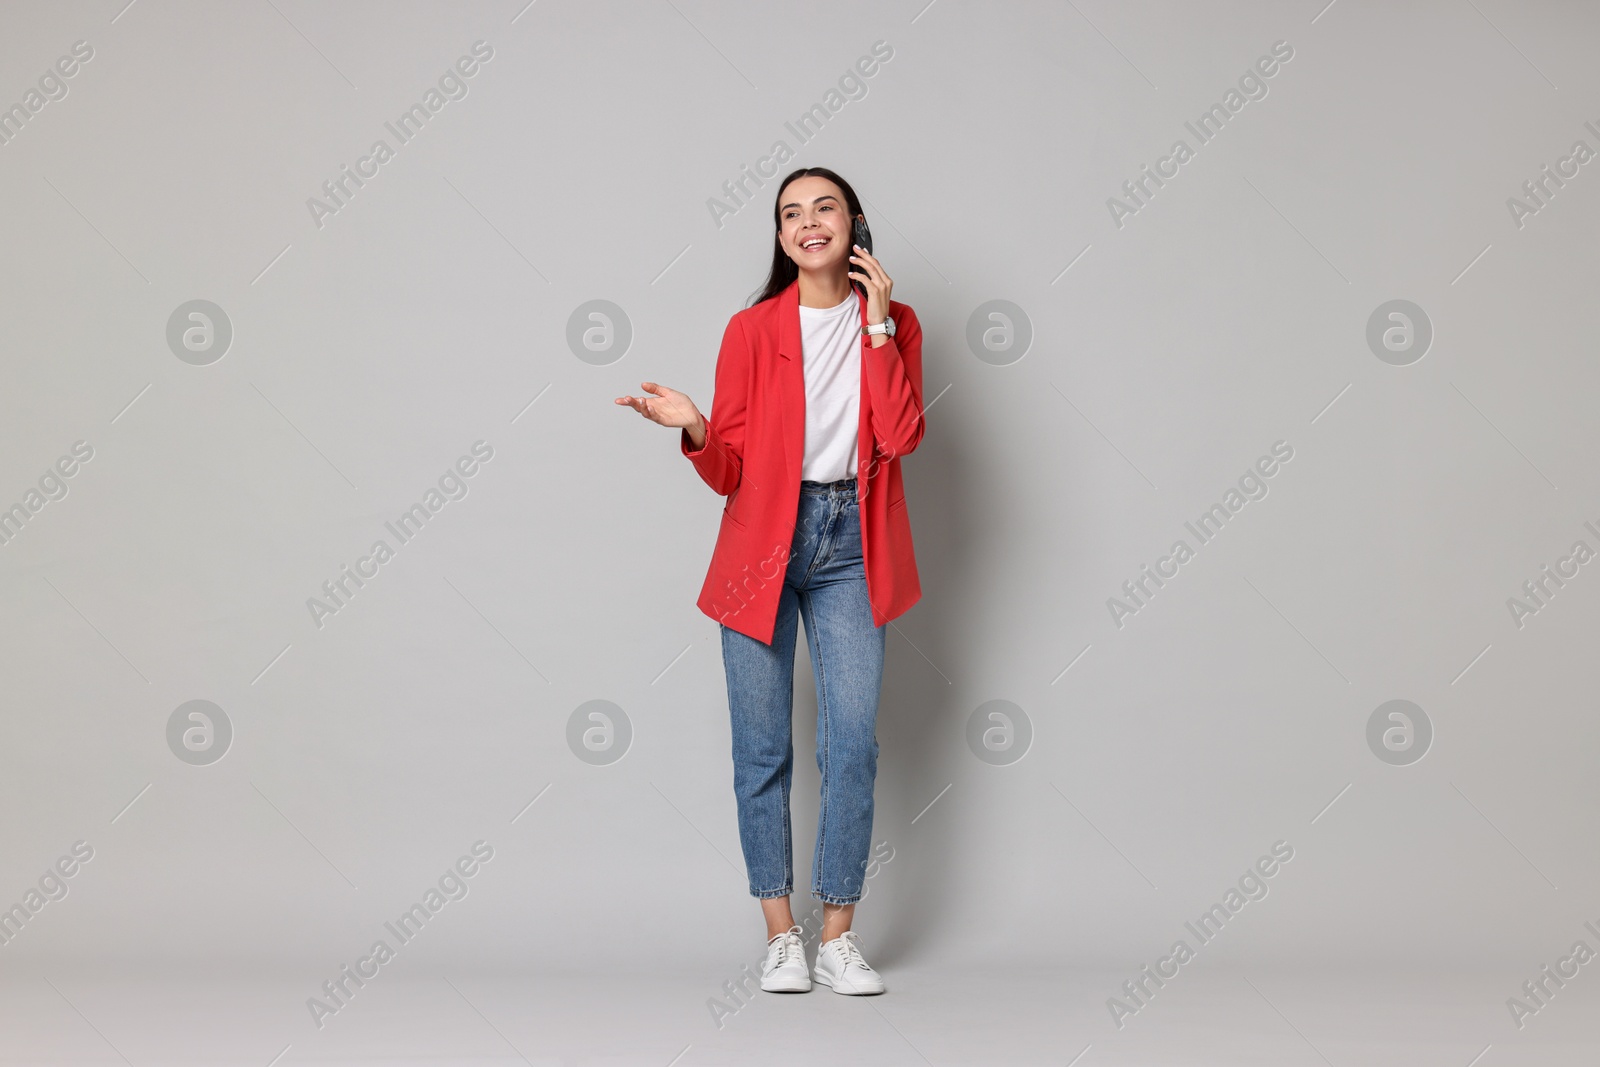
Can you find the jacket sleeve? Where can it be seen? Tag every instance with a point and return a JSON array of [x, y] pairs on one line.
[[894, 375], [720, 461]]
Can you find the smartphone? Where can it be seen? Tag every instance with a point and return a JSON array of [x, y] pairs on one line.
[[863, 237]]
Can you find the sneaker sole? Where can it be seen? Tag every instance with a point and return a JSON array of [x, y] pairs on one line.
[[824, 980], [793, 985]]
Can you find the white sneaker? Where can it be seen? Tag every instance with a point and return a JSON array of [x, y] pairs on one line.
[[785, 968], [841, 966]]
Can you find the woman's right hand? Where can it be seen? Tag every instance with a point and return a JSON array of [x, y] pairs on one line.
[[669, 408]]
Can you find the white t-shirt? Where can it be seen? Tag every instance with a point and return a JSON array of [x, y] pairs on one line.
[[831, 341]]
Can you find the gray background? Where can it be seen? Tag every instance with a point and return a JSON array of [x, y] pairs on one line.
[[1229, 313]]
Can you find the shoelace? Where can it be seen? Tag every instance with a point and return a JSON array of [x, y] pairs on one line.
[[790, 946], [849, 950]]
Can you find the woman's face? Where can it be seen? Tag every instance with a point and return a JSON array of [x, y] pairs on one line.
[[814, 225]]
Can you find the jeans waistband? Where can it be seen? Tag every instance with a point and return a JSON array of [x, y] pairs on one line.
[[843, 485]]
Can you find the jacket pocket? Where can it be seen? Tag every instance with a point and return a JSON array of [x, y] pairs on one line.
[[728, 509]]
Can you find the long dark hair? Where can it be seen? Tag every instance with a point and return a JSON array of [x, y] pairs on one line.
[[785, 270]]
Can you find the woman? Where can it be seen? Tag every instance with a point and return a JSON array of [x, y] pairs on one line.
[[818, 395]]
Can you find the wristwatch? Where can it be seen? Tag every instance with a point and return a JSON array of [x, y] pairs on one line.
[[886, 326]]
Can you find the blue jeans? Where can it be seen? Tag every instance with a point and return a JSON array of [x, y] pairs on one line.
[[825, 583]]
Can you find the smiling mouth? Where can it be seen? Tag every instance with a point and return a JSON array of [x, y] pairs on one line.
[[815, 244]]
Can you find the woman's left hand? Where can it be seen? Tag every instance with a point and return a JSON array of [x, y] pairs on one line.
[[878, 284]]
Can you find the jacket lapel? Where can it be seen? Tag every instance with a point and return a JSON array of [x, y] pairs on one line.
[[791, 380], [864, 444]]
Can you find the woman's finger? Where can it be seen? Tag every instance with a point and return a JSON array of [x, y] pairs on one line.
[[868, 260], [878, 267], [874, 269], [874, 286]]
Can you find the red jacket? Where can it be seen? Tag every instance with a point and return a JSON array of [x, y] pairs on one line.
[[755, 441]]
